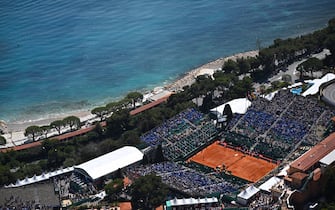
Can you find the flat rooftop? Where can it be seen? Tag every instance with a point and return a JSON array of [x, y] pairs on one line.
[[315, 154]]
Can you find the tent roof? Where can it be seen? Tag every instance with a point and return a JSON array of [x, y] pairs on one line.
[[317, 83], [248, 193], [239, 106], [190, 201], [266, 186], [40, 178], [328, 159], [111, 162], [283, 172]]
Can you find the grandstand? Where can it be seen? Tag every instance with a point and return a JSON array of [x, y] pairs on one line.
[[308, 160], [184, 179], [275, 127], [262, 137], [182, 135]]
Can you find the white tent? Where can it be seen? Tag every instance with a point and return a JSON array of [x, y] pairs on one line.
[[283, 172], [245, 196], [190, 201], [39, 178], [266, 186], [238, 106], [270, 96], [314, 89], [110, 162], [328, 159]]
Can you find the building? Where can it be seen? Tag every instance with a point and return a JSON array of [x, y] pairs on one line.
[[305, 174], [107, 164], [309, 162]]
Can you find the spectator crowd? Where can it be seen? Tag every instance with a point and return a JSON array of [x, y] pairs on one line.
[[182, 134], [277, 125], [185, 179]]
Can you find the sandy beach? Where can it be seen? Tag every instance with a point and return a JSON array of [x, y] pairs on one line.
[[190, 76], [16, 129]]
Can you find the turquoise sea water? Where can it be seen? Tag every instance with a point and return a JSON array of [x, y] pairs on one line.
[[59, 55]]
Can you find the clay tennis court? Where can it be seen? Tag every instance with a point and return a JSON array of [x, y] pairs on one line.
[[237, 163]]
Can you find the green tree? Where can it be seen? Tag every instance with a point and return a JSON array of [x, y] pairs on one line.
[[311, 65], [230, 66], [227, 111], [118, 123], [243, 65], [148, 192], [45, 129], [330, 44], [33, 131], [158, 155], [113, 189], [100, 112], [99, 129], [6, 177], [69, 162], [55, 158], [287, 78], [49, 144], [134, 97], [72, 121], [58, 125], [2, 140], [331, 26], [114, 106], [130, 137], [301, 70]]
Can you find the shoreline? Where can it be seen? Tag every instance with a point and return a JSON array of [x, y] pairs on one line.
[[176, 85], [189, 77]]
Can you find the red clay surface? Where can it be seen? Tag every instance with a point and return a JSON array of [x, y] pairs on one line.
[[237, 163]]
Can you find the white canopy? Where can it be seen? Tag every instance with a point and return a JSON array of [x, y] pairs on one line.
[[283, 172], [248, 193], [328, 159], [270, 96], [238, 106], [190, 201], [110, 162], [316, 84], [39, 178], [266, 186]]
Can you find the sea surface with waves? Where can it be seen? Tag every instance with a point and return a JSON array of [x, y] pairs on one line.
[[60, 55]]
